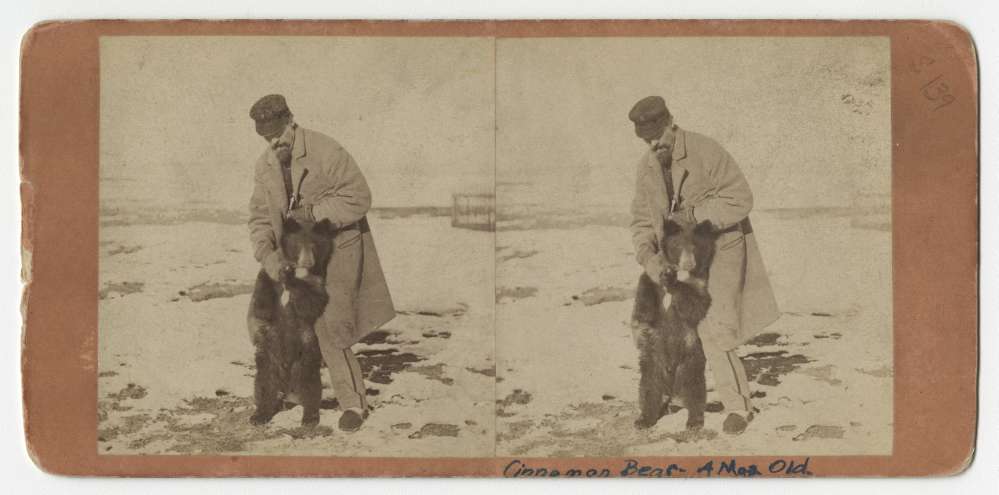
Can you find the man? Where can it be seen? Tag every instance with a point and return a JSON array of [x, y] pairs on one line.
[[308, 176], [690, 178]]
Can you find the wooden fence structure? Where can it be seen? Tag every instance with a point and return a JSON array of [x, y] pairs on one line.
[[474, 211]]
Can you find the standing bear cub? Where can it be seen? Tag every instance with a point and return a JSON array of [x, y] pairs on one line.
[[671, 359], [287, 353]]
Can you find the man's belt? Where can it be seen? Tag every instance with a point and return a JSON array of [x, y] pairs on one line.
[[361, 225], [731, 228], [743, 226]]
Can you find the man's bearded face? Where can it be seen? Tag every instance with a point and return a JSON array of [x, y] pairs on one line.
[[662, 146], [281, 144]]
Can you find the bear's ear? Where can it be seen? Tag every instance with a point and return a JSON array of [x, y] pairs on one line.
[[291, 226], [704, 228], [323, 228], [671, 227]]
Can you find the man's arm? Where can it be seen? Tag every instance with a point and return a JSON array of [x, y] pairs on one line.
[[349, 198], [261, 231], [643, 234], [731, 199]]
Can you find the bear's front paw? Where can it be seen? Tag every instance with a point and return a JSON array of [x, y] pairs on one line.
[[286, 273], [258, 337], [669, 277], [640, 335]]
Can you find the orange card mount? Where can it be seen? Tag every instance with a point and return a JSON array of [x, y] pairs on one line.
[[496, 331]]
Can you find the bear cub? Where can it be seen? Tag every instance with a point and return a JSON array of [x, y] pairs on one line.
[[671, 359], [287, 353]]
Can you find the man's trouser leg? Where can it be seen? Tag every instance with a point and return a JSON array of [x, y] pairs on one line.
[[342, 281], [730, 377], [719, 329], [345, 375]]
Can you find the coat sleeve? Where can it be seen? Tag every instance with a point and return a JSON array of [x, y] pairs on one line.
[[730, 199], [348, 198], [643, 234], [261, 231]]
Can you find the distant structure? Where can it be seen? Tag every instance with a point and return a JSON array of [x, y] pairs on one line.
[[474, 211]]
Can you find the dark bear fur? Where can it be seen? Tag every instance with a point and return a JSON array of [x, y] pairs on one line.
[[671, 359], [287, 352]]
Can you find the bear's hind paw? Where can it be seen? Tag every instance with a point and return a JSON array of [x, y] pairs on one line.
[[260, 419], [642, 423]]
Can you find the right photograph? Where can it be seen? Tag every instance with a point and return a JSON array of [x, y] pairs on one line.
[[693, 246]]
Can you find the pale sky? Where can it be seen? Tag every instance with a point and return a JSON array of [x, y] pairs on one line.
[[416, 113], [807, 119]]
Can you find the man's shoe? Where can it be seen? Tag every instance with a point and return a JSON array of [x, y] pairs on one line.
[[735, 423], [351, 420]]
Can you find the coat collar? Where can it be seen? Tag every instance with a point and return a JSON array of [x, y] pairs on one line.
[[298, 149], [679, 146]]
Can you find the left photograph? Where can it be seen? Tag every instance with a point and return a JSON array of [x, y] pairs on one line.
[[296, 246]]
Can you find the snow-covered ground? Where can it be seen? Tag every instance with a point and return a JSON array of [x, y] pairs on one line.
[[176, 363], [567, 368], [545, 366]]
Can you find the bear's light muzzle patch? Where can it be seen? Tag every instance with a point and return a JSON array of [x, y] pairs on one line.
[[305, 261], [686, 264]]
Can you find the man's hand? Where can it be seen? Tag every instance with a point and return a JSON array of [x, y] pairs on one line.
[[302, 214], [683, 215], [659, 271], [655, 268], [274, 264]]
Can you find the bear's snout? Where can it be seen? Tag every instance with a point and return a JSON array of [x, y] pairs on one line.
[[306, 260], [686, 265], [687, 261]]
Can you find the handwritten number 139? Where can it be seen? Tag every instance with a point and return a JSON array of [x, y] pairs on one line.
[[936, 90]]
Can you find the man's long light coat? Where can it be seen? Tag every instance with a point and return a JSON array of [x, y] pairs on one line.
[[706, 178], [330, 181]]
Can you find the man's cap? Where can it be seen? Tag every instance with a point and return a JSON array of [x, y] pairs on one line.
[[650, 116], [271, 114]]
